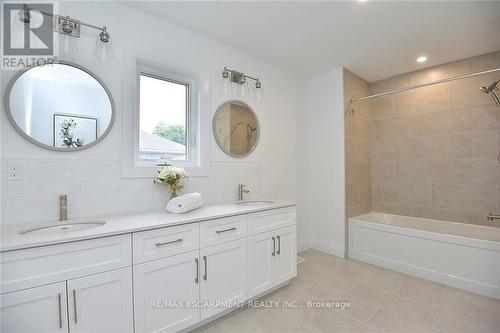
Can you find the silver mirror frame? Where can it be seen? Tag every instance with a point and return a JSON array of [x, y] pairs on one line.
[[214, 129], [27, 137]]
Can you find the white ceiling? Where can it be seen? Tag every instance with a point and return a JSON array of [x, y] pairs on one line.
[[375, 39]]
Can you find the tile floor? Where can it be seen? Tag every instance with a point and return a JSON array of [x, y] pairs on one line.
[[381, 301]]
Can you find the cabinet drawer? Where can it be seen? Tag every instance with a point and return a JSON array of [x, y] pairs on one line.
[[47, 264], [271, 219], [222, 230], [165, 242]]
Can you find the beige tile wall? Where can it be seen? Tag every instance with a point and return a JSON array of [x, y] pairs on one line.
[[433, 150], [358, 148]]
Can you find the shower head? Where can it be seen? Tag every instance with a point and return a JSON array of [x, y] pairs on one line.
[[490, 90]]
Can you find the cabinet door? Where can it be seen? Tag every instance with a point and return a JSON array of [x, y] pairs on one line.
[[162, 290], [261, 258], [224, 276], [40, 309], [101, 302], [286, 254]]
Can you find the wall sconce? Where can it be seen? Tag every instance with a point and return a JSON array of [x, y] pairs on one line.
[[230, 77], [66, 25]]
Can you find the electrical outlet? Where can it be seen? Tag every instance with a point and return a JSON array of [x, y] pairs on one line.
[[15, 171]]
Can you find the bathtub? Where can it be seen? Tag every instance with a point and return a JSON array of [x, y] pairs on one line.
[[456, 254]]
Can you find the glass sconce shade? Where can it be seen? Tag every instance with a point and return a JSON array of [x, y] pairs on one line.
[[103, 51], [259, 94], [243, 89], [225, 84], [68, 44], [18, 20]]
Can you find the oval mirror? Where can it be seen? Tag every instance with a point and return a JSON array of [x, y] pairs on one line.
[[60, 106], [236, 128]]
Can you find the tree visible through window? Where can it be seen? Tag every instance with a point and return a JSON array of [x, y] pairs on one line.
[[175, 133], [163, 119]]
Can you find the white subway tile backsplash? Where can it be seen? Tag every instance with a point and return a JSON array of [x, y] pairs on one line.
[[102, 165], [120, 186], [45, 189], [95, 187], [15, 189], [71, 188]]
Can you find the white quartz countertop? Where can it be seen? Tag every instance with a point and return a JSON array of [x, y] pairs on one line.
[[126, 223]]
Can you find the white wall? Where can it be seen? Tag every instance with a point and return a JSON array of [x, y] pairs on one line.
[[92, 178], [320, 174]]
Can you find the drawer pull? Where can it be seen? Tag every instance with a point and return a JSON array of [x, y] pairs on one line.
[[74, 306], [197, 270], [279, 245], [171, 242], [225, 230], [274, 246], [60, 309], [205, 275]]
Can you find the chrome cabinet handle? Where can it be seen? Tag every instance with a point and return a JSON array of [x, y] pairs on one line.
[[279, 244], [197, 270], [225, 230], [178, 240], [205, 274], [60, 310], [74, 306], [274, 246]]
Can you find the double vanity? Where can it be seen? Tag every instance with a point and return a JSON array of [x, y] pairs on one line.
[[145, 272]]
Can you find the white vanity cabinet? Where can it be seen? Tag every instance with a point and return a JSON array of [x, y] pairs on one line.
[[272, 255], [261, 263], [272, 259], [224, 276], [164, 279], [40, 309], [162, 290], [101, 302], [286, 254], [74, 286]]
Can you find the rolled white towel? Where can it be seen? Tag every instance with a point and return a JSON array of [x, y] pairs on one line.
[[185, 203]]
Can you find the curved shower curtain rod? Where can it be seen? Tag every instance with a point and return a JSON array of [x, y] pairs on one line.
[[395, 91]]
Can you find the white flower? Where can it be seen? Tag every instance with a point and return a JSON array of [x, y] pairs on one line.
[[172, 172]]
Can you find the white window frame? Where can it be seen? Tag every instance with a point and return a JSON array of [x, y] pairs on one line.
[[196, 162]]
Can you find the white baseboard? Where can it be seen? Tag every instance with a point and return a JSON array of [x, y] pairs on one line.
[[303, 245], [327, 247]]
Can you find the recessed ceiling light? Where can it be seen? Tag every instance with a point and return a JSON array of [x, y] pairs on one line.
[[361, 0], [422, 59]]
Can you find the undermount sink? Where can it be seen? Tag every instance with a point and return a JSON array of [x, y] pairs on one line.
[[254, 202], [61, 227]]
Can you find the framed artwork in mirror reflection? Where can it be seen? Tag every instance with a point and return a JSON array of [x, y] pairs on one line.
[[73, 131]]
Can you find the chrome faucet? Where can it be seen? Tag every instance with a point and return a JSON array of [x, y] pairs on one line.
[[491, 217], [241, 190], [63, 208]]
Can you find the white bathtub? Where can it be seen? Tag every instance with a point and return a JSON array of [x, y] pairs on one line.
[[460, 255]]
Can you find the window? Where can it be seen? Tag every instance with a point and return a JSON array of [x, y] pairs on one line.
[[163, 115], [163, 121]]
